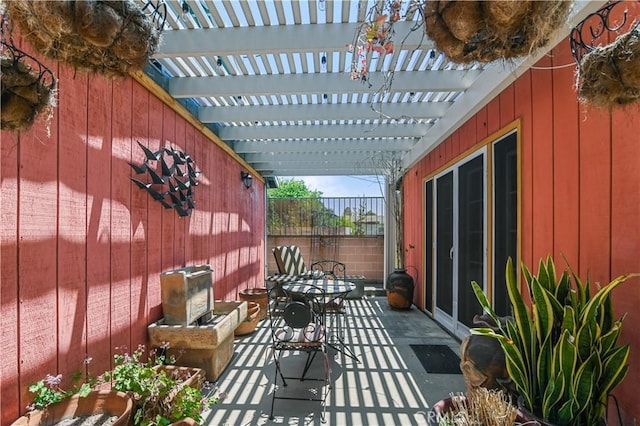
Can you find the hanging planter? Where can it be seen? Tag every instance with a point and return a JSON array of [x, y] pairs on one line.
[[609, 76], [107, 37], [486, 31], [28, 88]]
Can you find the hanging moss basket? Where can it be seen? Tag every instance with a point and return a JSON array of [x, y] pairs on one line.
[[112, 38], [486, 31], [27, 90], [609, 76]]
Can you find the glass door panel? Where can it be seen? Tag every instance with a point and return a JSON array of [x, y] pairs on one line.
[[444, 243], [428, 248], [471, 231], [505, 155]]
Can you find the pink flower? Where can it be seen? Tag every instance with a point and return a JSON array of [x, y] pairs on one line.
[[53, 381]]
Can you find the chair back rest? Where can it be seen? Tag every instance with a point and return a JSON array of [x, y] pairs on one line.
[[331, 269], [289, 260], [297, 321]]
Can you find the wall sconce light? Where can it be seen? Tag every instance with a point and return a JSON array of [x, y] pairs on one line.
[[247, 179]]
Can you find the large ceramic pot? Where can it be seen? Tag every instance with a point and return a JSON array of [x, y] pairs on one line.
[[482, 362], [110, 403], [400, 289]]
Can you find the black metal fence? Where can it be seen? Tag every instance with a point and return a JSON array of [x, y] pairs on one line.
[[326, 216]]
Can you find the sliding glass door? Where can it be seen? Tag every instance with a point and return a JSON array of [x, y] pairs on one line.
[[460, 243], [471, 228]]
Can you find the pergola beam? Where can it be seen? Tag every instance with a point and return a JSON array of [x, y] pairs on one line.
[[344, 131], [322, 112], [306, 146], [300, 84], [264, 40]]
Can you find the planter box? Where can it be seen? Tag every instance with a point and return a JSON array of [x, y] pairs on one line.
[[110, 403], [189, 376], [187, 294], [208, 345]]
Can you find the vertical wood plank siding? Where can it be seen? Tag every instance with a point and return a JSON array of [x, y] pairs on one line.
[[580, 188], [82, 247]]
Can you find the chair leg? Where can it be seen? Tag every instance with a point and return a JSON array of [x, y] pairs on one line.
[[307, 364], [276, 359], [327, 369], [279, 370], [273, 396]]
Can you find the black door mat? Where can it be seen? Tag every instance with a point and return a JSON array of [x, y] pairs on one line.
[[437, 359]]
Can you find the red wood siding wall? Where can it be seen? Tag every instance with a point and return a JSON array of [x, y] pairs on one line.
[[82, 247], [580, 187]]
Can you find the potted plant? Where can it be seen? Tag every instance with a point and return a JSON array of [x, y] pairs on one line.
[[52, 404], [163, 394], [138, 391], [399, 284], [480, 406], [562, 352]]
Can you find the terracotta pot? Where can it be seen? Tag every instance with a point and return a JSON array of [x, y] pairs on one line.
[[111, 403], [194, 377], [258, 295], [185, 422], [253, 316]]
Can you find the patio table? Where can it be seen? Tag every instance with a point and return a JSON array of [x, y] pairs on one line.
[[336, 291]]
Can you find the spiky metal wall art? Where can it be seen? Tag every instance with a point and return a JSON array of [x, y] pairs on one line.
[[170, 178]]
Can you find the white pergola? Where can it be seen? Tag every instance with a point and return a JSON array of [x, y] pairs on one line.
[[272, 79]]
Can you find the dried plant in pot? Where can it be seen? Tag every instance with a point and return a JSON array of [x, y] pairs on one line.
[[399, 284], [480, 406], [562, 352]]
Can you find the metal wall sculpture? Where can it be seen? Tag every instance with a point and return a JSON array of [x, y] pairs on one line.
[[170, 178]]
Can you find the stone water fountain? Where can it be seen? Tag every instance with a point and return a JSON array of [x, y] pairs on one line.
[[197, 328]]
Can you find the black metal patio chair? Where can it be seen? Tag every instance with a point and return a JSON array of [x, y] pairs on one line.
[[300, 326]]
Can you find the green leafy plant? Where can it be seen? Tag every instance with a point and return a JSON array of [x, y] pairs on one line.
[[48, 390], [562, 351], [161, 396]]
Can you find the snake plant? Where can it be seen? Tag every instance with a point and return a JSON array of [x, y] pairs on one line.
[[561, 349]]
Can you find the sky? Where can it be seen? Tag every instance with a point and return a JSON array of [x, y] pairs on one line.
[[342, 186]]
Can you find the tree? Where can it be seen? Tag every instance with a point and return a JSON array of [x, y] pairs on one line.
[[293, 206], [293, 188], [392, 170]]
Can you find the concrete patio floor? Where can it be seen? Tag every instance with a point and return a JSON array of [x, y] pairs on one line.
[[388, 386]]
